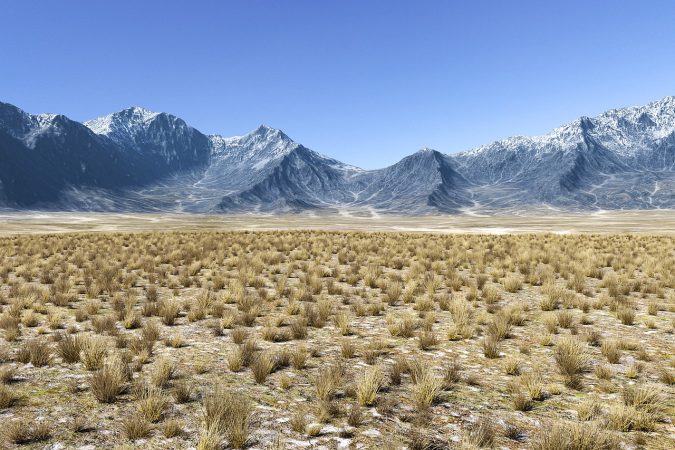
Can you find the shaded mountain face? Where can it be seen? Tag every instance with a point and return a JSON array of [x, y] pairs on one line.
[[423, 182], [163, 143], [138, 160], [243, 161], [300, 180], [41, 156]]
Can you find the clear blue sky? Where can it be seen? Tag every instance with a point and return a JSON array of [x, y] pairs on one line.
[[364, 81]]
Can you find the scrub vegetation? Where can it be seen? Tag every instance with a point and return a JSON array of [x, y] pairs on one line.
[[298, 339]]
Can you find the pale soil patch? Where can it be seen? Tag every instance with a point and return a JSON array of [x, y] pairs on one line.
[[645, 222]]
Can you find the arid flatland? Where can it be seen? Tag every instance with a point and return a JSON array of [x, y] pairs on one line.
[[542, 221], [336, 339]]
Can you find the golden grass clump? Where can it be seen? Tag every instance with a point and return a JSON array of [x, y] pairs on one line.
[[571, 358], [8, 397], [109, 381], [327, 381], [426, 388], [136, 427], [611, 350], [262, 366], [93, 351], [367, 386], [575, 436], [226, 418], [69, 348], [151, 404]]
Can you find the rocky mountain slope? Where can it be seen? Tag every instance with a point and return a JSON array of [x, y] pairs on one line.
[[623, 158], [138, 160]]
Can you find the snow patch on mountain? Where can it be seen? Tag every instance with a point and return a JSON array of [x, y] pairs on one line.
[[126, 121], [625, 131], [256, 149]]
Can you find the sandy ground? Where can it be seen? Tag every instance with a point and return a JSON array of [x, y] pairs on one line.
[[643, 222]]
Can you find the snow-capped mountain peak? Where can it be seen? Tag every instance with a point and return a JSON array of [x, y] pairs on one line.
[[121, 123], [46, 119], [42, 123], [425, 150], [162, 137], [220, 144], [625, 131], [266, 129], [634, 130], [256, 149]]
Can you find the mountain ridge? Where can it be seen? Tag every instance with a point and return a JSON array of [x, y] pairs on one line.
[[140, 160]]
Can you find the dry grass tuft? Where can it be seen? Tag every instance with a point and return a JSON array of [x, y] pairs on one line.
[[367, 386], [69, 348], [571, 358], [136, 427], [227, 416], [8, 397], [109, 381], [426, 389], [93, 352], [573, 436], [262, 366]]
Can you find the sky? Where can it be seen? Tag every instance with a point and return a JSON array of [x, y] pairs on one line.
[[364, 81]]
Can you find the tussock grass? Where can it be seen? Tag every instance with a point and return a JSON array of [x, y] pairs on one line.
[[109, 381], [93, 352], [426, 389], [69, 348], [8, 397], [226, 416], [571, 358], [573, 436], [136, 427], [367, 386], [262, 366], [24, 431], [327, 381], [39, 352]]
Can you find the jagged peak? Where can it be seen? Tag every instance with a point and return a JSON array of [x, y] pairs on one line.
[[666, 103], [136, 113], [47, 119], [262, 128], [623, 129], [666, 106], [426, 150], [268, 132], [127, 119], [668, 100], [36, 118], [11, 107], [140, 112], [423, 155]]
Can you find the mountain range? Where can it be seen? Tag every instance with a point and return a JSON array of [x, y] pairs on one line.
[[138, 160]]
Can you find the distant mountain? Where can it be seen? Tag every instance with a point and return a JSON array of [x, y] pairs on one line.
[[163, 142], [624, 158], [426, 181], [41, 156], [138, 160], [296, 179]]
